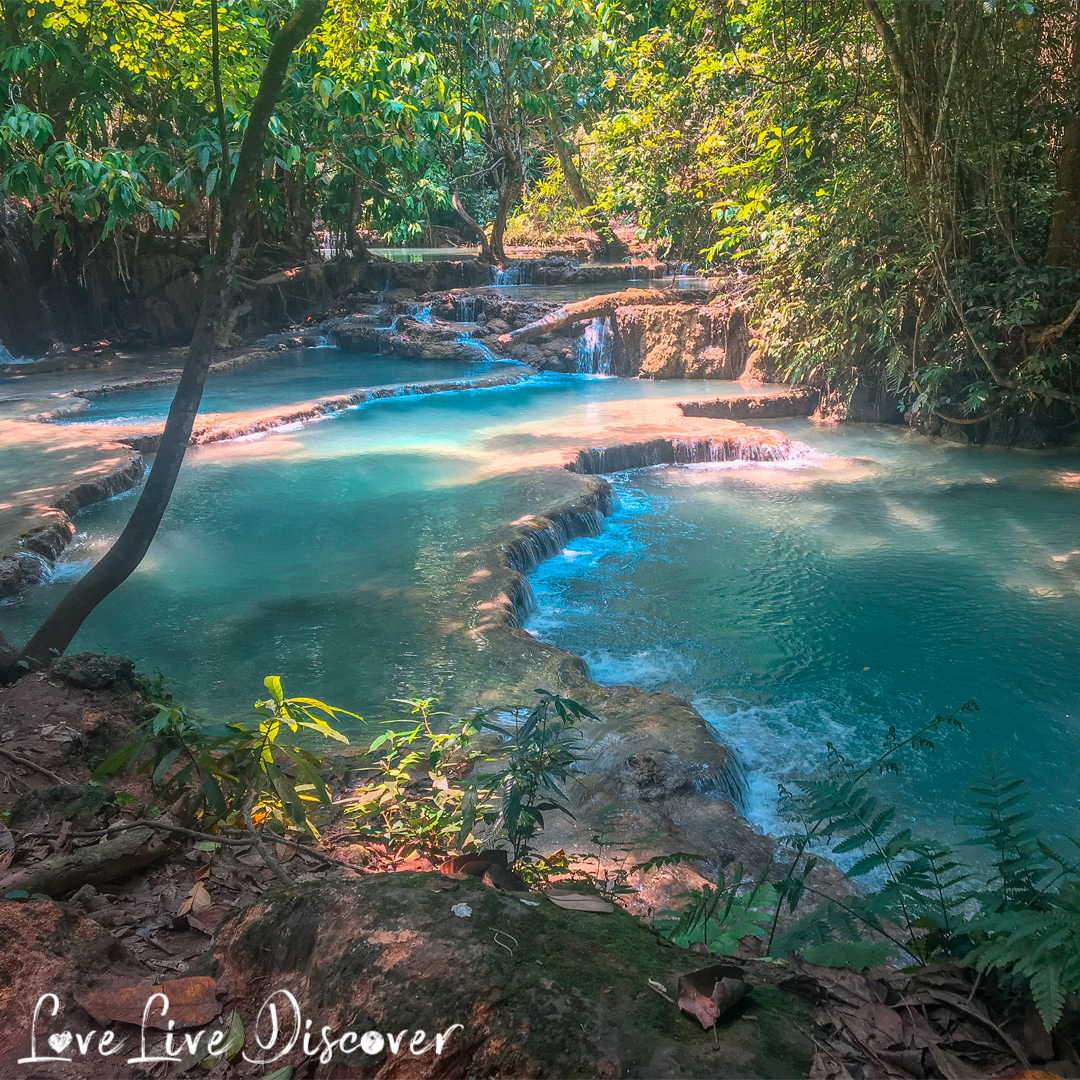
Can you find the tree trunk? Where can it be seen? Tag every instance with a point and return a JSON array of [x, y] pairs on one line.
[[582, 310], [584, 200], [63, 622], [1063, 244], [509, 183], [486, 255], [509, 193]]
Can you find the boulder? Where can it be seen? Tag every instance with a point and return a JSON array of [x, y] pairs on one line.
[[89, 671], [538, 991]]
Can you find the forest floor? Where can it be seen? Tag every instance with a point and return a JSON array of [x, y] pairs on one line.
[[541, 991]]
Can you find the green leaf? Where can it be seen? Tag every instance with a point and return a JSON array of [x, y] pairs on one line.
[[166, 764], [273, 685], [118, 759], [212, 793]]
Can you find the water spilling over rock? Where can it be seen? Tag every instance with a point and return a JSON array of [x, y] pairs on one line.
[[595, 348], [465, 309], [756, 444]]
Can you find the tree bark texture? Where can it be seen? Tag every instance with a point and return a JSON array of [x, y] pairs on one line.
[[1063, 244], [63, 622]]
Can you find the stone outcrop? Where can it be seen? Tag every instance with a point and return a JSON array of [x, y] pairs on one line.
[[519, 989], [751, 444], [680, 341], [41, 546], [799, 402]]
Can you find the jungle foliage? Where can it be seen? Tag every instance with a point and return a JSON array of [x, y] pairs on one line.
[[896, 182]]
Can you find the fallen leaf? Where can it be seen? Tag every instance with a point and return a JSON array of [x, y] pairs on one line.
[[196, 900], [208, 919], [709, 992], [193, 1002], [951, 1067], [575, 901]]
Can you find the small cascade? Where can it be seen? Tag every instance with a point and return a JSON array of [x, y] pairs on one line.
[[465, 308], [483, 352], [594, 351], [756, 446], [420, 312], [517, 273], [5, 356]]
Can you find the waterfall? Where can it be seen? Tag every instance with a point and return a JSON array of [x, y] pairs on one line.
[[595, 348], [755, 445], [420, 312], [517, 273], [478, 346], [465, 308], [5, 356]]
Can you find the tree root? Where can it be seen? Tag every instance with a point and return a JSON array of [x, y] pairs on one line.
[[32, 765]]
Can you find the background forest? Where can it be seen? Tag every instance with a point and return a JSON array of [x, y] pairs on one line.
[[895, 187]]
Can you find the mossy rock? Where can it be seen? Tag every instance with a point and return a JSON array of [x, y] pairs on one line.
[[540, 992]]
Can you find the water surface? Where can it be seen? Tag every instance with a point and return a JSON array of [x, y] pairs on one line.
[[827, 600], [294, 376]]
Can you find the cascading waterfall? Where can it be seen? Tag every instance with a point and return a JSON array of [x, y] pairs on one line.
[[767, 446], [594, 351], [517, 273], [479, 347], [465, 308], [420, 312]]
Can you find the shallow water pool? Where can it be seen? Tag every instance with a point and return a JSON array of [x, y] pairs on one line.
[[823, 601], [326, 553], [294, 376]]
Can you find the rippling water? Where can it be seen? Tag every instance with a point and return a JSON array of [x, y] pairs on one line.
[[826, 600], [294, 376], [879, 579]]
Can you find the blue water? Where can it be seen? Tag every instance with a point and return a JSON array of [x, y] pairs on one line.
[[293, 376], [879, 581], [328, 554], [827, 601]]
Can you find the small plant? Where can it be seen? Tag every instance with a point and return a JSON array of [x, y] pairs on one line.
[[530, 775], [237, 772], [1020, 919], [719, 917], [434, 792], [417, 800]]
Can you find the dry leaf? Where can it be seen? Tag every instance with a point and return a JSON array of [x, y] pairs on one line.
[[575, 901], [196, 900], [193, 1002], [951, 1067], [208, 919], [709, 992]]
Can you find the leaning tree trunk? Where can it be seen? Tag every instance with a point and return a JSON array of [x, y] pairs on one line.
[[63, 622], [1063, 244], [584, 200], [509, 183], [509, 193], [486, 255]]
